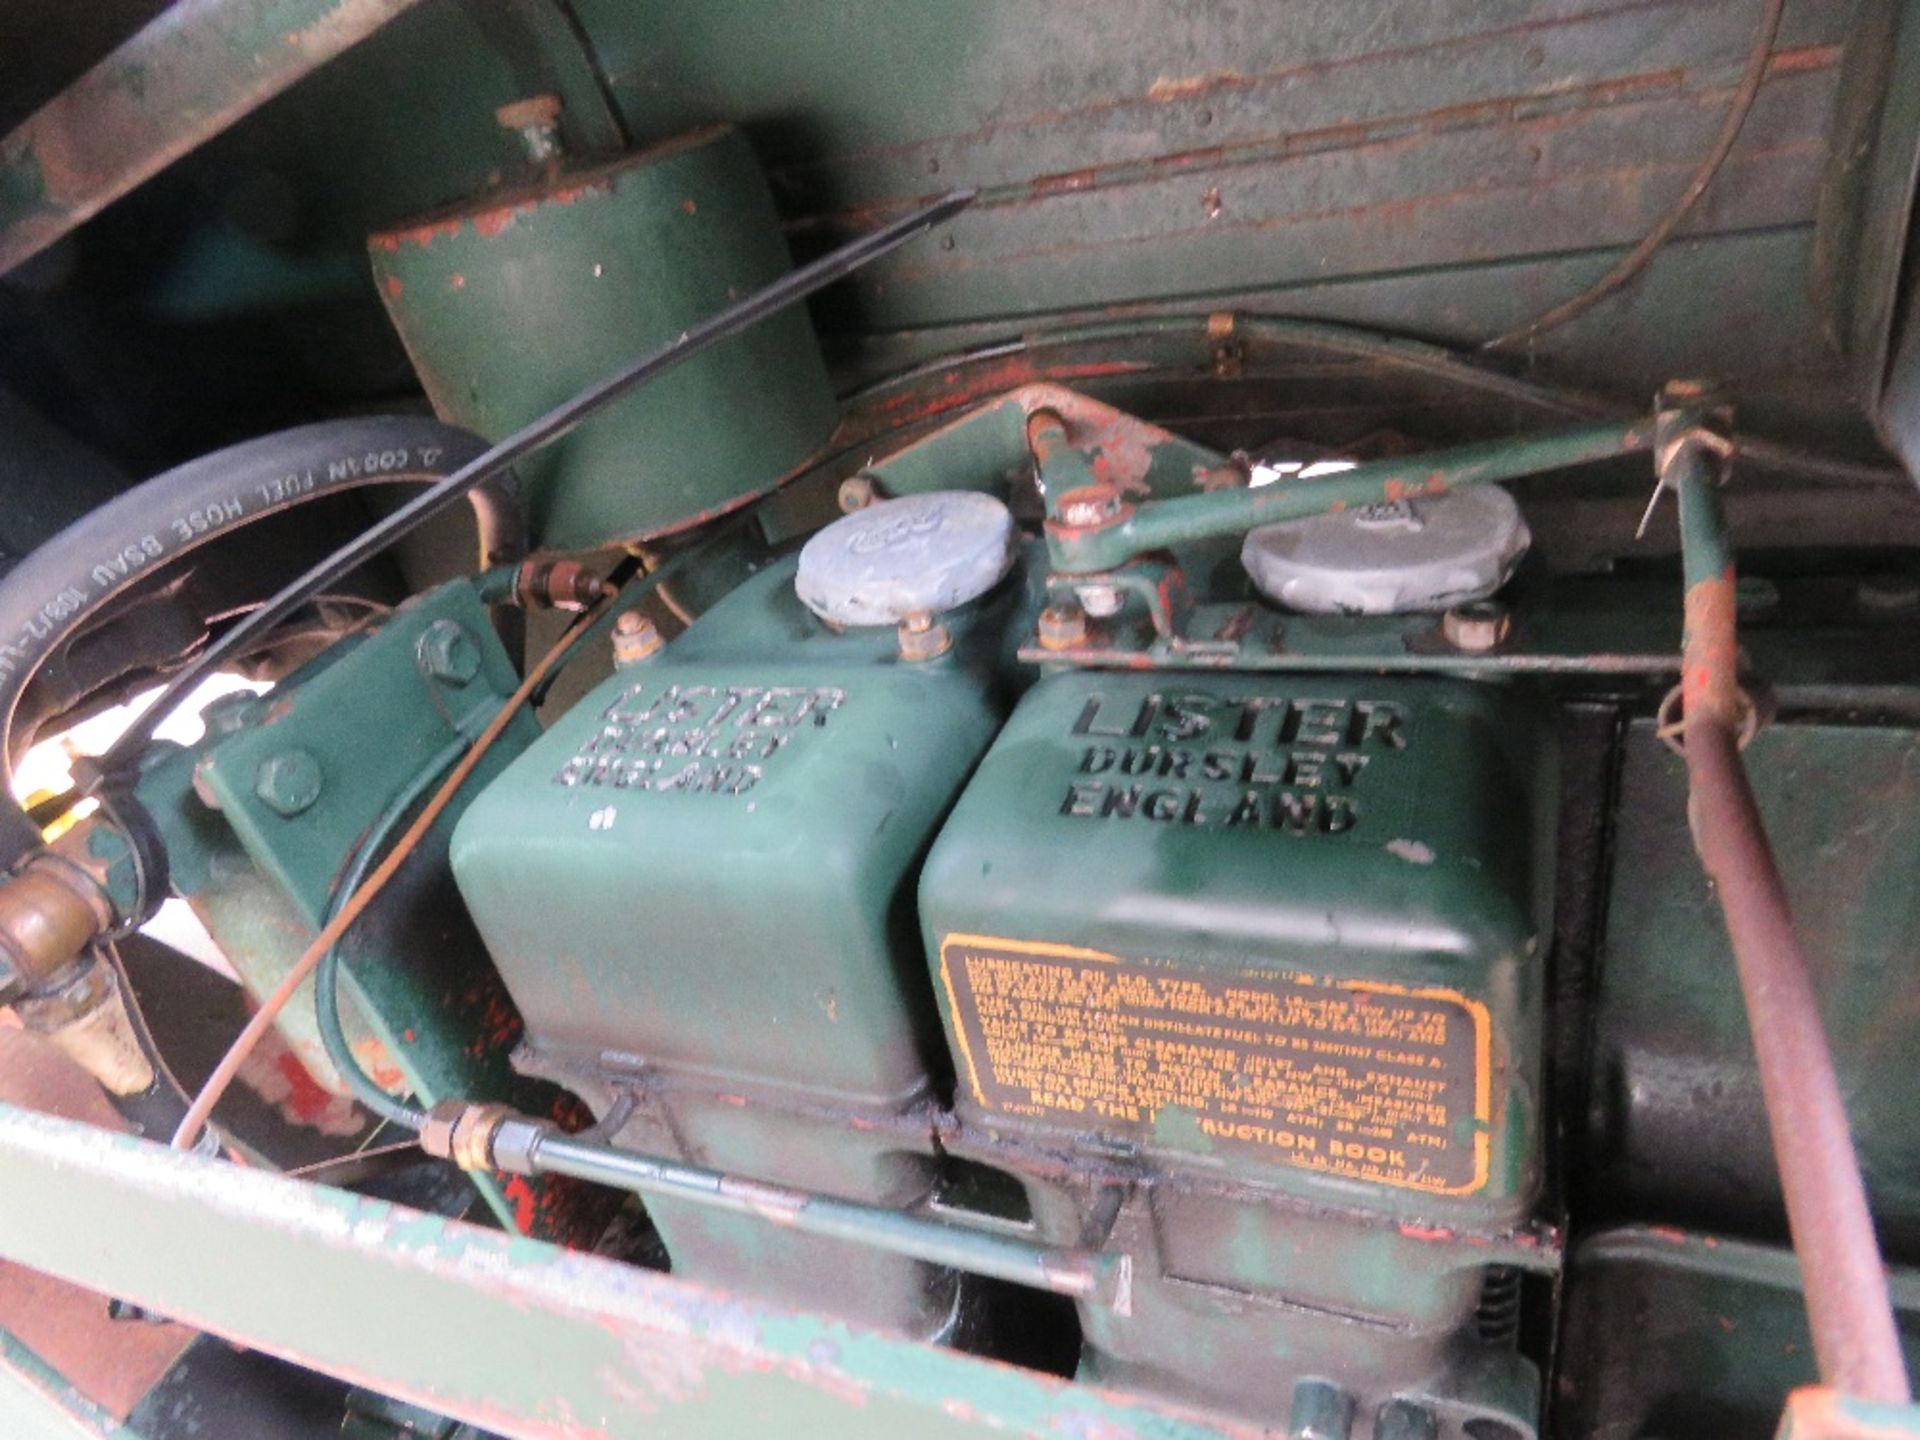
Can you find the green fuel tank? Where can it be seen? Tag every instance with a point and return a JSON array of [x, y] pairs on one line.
[[1270, 949], [722, 843]]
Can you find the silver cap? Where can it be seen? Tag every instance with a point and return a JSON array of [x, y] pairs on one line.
[[1403, 558], [895, 558]]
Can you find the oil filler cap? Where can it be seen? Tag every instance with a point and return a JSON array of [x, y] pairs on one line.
[[1402, 558], [894, 558]]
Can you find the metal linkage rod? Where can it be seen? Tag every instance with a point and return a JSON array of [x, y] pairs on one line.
[[1849, 1309], [1093, 529], [492, 1137]]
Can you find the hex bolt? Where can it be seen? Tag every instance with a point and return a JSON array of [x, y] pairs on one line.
[[558, 585], [537, 121], [447, 652], [857, 492], [922, 637], [1063, 627], [635, 638], [1888, 594], [1476, 627], [289, 782]]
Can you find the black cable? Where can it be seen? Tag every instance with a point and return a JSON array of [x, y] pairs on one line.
[[792, 287]]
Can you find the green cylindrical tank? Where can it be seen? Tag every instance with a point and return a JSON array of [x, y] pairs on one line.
[[510, 304]]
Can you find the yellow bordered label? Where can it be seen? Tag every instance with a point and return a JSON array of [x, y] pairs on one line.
[[1356, 1078]]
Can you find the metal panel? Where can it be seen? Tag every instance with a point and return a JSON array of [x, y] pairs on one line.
[[519, 1337]]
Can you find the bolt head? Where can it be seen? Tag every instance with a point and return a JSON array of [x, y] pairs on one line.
[[289, 783], [857, 492], [1476, 627], [449, 653]]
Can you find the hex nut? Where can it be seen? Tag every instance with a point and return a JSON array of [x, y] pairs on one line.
[[471, 1144], [289, 783], [1062, 627], [1476, 627], [436, 1136], [448, 653], [923, 638], [635, 638]]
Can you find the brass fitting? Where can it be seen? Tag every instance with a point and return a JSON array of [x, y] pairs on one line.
[[85, 1014], [49, 914], [557, 585], [463, 1133]]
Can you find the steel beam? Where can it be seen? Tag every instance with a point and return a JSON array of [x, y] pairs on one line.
[[194, 70], [524, 1339]]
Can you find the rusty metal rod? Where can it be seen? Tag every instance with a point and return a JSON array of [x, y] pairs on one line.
[[198, 67], [1849, 1308], [1100, 1279]]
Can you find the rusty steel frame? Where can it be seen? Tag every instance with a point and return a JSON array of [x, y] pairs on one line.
[[521, 1338], [197, 68]]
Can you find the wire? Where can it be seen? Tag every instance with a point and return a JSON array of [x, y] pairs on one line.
[[563, 418], [356, 904], [1636, 260]]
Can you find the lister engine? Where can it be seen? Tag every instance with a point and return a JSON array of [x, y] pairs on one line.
[[1059, 891], [1236, 978]]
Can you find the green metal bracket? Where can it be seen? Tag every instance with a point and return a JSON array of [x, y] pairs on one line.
[[302, 785], [518, 1337]]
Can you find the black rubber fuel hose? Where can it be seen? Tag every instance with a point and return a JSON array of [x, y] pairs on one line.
[[67, 583]]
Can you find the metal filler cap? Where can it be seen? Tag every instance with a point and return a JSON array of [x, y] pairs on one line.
[[1403, 558], [920, 554]]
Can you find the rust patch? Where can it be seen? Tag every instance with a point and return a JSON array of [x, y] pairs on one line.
[[377, 1061], [1710, 661], [1185, 87], [1802, 58]]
